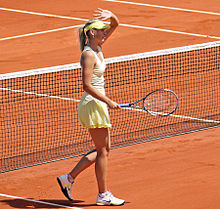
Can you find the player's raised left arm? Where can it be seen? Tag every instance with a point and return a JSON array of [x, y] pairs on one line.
[[106, 15]]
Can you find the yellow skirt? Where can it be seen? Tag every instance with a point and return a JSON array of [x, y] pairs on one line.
[[93, 114]]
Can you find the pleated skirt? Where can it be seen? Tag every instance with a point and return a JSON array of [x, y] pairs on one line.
[[93, 114]]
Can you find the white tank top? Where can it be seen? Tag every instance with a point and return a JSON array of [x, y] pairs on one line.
[[98, 80]]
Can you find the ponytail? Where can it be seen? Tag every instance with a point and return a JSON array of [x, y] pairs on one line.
[[83, 37]]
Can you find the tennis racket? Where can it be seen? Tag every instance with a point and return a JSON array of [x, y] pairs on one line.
[[161, 102]]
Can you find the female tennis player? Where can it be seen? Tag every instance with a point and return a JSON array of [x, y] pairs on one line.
[[93, 112]]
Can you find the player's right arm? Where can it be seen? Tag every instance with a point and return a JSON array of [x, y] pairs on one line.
[[88, 62]]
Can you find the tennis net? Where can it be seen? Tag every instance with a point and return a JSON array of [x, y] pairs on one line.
[[39, 121]]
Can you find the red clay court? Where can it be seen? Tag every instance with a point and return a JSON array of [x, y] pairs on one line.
[[179, 172]]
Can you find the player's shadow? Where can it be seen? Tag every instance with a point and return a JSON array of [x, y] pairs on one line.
[[20, 203]]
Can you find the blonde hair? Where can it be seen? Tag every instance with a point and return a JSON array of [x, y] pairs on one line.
[[83, 37]]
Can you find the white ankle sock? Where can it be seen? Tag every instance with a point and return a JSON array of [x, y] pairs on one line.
[[104, 193]]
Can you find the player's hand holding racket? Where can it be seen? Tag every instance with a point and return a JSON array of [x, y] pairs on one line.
[[161, 102], [113, 105]]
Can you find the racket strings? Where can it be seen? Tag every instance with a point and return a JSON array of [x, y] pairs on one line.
[[161, 102]]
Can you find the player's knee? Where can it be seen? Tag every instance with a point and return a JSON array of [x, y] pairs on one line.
[[104, 151], [108, 149]]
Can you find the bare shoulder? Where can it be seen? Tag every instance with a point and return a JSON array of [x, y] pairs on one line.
[[87, 58], [87, 54]]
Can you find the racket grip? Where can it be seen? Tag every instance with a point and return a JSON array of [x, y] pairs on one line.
[[124, 105]]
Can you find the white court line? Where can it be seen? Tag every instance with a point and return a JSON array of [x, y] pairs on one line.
[[121, 24], [170, 31], [41, 32], [82, 19], [165, 7], [178, 116], [41, 95], [43, 14], [193, 118], [38, 201], [76, 100]]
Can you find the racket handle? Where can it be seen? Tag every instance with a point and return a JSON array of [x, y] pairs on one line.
[[124, 105]]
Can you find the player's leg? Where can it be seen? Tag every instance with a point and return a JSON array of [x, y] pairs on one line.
[[101, 138], [87, 160]]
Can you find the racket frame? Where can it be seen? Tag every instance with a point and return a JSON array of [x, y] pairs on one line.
[[151, 112]]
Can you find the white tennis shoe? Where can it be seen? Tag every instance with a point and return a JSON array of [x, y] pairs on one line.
[[65, 186], [107, 198]]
